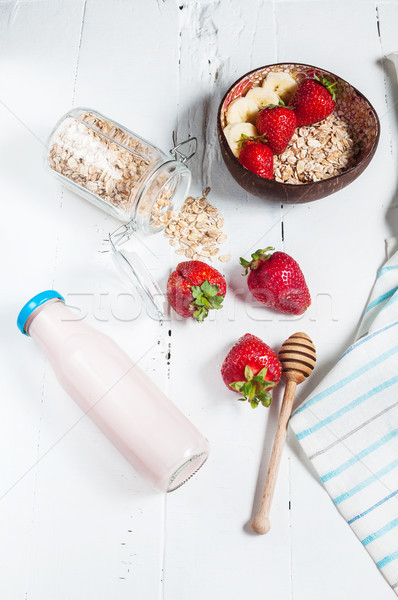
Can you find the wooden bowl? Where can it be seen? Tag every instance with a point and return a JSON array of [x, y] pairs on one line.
[[351, 106]]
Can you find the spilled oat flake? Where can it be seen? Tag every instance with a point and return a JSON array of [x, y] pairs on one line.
[[197, 230]]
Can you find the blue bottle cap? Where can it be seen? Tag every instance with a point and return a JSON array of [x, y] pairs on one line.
[[34, 303]]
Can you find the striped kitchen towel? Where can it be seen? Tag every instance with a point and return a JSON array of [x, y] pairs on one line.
[[348, 427]]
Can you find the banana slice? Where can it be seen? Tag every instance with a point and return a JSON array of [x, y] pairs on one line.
[[262, 96], [281, 83], [234, 132], [241, 110]]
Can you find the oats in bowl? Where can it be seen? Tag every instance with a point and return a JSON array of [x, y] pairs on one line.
[[317, 152]]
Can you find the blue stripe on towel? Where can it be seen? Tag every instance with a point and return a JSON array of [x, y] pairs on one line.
[[380, 299], [379, 503], [347, 408], [367, 338], [388, 304], [387, 559], [337, 386], [385, 269], [380, 532], [345, 465], [363, 484]]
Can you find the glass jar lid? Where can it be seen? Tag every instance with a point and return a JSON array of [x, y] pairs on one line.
[[135, 271]]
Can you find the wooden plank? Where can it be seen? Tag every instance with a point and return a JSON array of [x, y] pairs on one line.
[[340, 254], [209, 548], [36, 80], [89, 523], [113, 75], [387, 21]]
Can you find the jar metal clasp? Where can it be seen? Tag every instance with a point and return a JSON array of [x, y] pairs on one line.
[[176, 150], [121, 235]]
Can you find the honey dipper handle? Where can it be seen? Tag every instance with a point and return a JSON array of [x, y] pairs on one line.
[[261, 523]]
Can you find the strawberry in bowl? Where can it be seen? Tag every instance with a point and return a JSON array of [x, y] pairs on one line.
[[277, 125], [257, 158], [313, 100]]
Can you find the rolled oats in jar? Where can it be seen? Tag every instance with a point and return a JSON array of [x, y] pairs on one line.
[[117, 170]]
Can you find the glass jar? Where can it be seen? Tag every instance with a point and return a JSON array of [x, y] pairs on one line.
[[117, 170], [124, 175]]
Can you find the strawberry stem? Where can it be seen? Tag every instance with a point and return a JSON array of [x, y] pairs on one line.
[[257, 258], [329, 85], [255, 388], [205, 298], [244, 139], [280, 104]]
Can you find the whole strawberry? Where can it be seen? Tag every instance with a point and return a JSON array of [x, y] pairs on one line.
[[258, 158], [251, 368], [277, 124], [194, 288], [313, 100], [277, 281]]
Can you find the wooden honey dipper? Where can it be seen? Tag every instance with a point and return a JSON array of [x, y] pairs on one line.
[[298, 358]]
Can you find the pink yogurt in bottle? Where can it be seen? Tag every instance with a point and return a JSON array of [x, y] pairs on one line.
[[154, 436]]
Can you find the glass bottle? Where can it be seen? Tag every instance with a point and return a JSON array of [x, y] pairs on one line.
[[154, 436]]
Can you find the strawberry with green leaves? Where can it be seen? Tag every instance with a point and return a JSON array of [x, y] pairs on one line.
[[313, 100], [252, 368], [257, 158], [194, 288], [277, 124], [276, 280]]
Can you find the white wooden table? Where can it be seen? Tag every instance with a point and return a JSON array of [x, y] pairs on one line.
[[76, 521]]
